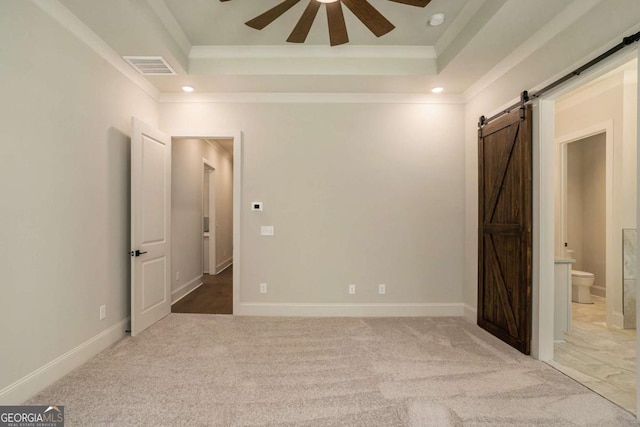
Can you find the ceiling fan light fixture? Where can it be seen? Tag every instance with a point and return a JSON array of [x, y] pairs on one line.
[[327, 1]]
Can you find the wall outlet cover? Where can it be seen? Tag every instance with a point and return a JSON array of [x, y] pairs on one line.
[[103, 312], [382, 289], [263, 288], [352, 289]]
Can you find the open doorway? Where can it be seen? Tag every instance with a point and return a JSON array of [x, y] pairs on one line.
[[595, 193], [203, 225]]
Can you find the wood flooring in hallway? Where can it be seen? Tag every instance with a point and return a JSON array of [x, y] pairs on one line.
[[215, 296]]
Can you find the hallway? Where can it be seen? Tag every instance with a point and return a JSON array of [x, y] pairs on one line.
[[215, 296]]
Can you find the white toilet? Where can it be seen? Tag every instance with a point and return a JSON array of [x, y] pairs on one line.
[[581, 282]]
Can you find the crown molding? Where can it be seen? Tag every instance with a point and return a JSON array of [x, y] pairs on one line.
[[559, 23], [309, 98], [57, 11], [74, 25], [313, 60], [312, 51]]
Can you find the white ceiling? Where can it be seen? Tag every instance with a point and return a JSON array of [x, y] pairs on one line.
[[209, 46], [211, 22]]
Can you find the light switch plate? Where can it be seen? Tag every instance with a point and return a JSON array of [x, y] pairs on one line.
[[266, 230]]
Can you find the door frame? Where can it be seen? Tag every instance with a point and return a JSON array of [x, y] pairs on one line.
[[206, 165], [543, 207], [237, 137], [562, 142]]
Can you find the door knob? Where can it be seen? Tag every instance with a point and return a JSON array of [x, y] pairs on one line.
[[136, 253]]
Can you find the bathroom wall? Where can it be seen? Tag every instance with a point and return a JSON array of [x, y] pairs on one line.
[[586, 208], [574, 202], [630, 250], [608, 101]]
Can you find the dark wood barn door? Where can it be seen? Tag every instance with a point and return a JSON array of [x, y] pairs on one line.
[[505, 197]]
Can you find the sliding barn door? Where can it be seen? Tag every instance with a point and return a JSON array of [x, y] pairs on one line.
[[505, 197]]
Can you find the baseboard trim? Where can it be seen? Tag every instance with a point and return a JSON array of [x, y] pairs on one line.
[[350, 310], [599, 291], [36, 381], [618, 319], [186, 289], [224, 265], [470, 313]]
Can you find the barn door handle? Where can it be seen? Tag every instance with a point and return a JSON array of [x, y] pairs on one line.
[[136, 253]]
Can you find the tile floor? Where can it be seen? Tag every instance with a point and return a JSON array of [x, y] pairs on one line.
[[601, 358]]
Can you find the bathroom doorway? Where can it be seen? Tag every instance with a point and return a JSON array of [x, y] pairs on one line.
[[585, 219], [596, 193]]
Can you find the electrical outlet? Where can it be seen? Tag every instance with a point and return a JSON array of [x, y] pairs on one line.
[[263, 288], [382, 288], [177, 276], [352, 289], [103, 312]]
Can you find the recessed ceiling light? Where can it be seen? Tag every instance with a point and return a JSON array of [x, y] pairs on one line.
[[187, 88], [437, 89], [437, 19]]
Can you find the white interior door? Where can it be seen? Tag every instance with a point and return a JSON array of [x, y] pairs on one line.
[[150, 226]]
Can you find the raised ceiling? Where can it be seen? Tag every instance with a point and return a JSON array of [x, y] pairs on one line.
[[210, 47], [410, 22]]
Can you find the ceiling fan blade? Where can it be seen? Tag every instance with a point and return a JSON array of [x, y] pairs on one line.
[[337, 27], [369, 15], [418, 3], [302, 28], [271, 15]]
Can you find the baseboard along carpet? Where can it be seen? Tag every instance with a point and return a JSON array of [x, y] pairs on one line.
[[212, 370]]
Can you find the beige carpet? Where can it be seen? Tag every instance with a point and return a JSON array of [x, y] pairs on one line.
[[207, 370]]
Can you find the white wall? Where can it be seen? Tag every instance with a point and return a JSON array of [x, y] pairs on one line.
[[574, 204], [586, 207], [64, 179], [357, 193], [187, 201], [594, 203], [224, 206]]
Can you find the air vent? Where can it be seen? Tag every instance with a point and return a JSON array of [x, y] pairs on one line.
[[150, 65]]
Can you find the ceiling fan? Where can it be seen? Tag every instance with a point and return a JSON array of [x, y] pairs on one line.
[[362, 9]]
